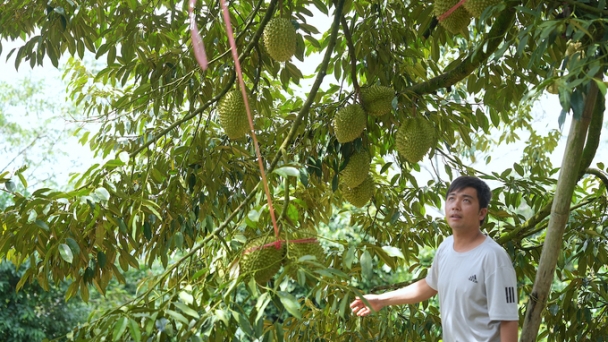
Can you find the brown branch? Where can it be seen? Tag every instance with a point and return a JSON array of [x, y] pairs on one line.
[[503, 23], [591, 145], [559, 216], [353, 57], [599, 174], [586, 7]]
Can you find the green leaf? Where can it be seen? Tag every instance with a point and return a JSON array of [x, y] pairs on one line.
[[577, 103], [261, 304], [177, 316], [243, 322], [73, 245], [66, 253], [290, 303], [518, 169], [119, 328], [101, 259], [287, 171], [385, 167], [134, 330], [22, 179], [366, 265], [393, 251], [253, 215], [147, 230], [101, 194], [186, 310], [348, 259], [42, 225]]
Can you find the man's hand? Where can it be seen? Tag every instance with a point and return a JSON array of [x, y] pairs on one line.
[[411, 294], [360, 309]]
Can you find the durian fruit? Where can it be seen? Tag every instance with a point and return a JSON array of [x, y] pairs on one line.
[[233, 115], [377, 100], [280, 39], [414, 138], [296, 250], [355, 172], [457, 21], [349, 123], [262, 260], [476, 7], [360, 195]]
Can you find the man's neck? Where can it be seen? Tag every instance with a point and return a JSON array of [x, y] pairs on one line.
[[468, 239]]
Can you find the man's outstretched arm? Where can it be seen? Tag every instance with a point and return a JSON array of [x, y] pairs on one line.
[[508, 331], [411, 294]]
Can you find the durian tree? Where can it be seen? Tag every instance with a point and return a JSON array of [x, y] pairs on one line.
[[181, 185]]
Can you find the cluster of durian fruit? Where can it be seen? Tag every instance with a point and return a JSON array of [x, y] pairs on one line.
[[415, 137], [459, 20], [262, 260], [279, 38]]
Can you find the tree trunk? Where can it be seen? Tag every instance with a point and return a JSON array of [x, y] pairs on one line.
[[558, 219]]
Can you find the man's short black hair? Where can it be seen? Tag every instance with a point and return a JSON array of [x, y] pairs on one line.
[[484, 194]]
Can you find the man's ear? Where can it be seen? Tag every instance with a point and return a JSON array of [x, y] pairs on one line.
[[483, 212]]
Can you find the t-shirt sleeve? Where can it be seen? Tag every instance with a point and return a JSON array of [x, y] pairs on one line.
[[501, 288]]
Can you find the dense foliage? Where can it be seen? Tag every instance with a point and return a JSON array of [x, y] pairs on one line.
[[174, 188], [33, 314]]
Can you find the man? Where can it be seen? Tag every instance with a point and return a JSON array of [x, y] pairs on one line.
[[473, 275]]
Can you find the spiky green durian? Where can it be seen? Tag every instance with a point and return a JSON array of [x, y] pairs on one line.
[[297, 248], [233, 115], [360, 195], [349, 123], [377, 100], [476, 7], [262, 259], [457, 21], [414, 138], [280, 39], [355, 172]]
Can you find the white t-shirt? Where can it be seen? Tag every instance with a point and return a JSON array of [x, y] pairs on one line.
[[477, 289]]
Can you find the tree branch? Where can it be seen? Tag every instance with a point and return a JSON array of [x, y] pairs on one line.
[[559, 216], [591, 145], [586, 7], [351, 53], [599, 174], [503, 23]]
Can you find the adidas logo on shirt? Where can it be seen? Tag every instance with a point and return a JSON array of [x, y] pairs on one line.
[[473, 278]]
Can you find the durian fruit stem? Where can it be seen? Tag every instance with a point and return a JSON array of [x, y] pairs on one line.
[[239, 73]]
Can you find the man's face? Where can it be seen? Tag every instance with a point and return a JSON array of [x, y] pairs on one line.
[[462, 209]]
